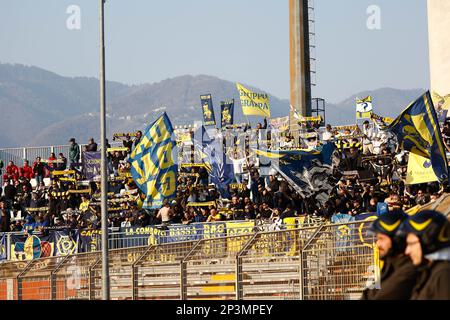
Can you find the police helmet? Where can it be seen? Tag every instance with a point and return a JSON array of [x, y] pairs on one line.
[[388, 224], [431, 227]]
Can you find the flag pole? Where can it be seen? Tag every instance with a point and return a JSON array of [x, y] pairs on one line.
[[104, 209]]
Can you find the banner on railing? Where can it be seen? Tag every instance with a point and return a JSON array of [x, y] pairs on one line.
[[181, 233], [91, 164], [89, 240], [55, 243], [3, 253]]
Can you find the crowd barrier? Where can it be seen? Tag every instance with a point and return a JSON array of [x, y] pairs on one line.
[[61, 242], [318, 262]]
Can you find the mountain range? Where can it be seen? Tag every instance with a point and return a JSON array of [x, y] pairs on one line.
[[41, 108]]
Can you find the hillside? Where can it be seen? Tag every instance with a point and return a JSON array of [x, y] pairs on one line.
[[42, 108]]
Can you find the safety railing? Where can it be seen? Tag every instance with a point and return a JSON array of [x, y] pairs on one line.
[[321, 262], [156, 274], [120, 274], [73, 277], [269, 265], [209, 270], [338, 262]]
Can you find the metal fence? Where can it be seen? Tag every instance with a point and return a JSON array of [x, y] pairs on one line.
[[321, 262], [338, 262]]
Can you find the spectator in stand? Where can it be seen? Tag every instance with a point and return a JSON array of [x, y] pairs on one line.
[[11, 172], [215, 216], [128, 143], [84, 205], [91, 146], [42, 222], [35, 201], [30, 224], [446, 134], [422, 198], [39, 170], [367, 140], [1, 166], [166, 213], [328, 133], [201, 216], [74, 152], [50, 164], [26, 171], [10, 192], [63, 163], [5, 223], [138, 138], [265, 212]]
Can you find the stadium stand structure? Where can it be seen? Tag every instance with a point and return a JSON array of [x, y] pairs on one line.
[[327, 261]]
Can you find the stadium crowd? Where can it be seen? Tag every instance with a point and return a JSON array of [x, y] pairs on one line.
[[369, 171]]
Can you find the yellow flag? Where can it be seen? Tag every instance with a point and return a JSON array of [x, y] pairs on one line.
[[254, 104], [419, 170], [440, 101]]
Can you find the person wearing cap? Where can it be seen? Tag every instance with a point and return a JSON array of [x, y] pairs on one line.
[[74, 151], [398, 274], [428, 246]]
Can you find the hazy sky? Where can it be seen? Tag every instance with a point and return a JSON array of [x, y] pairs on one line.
[[237, 40]]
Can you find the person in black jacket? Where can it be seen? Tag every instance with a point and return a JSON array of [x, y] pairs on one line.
[[398, 274], [91, 146], [428, 246]]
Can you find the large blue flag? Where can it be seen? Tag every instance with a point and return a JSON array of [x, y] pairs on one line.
[[417, 131], [213, 156], [208, 110], [227, 112], [153, 167], [309, 172]]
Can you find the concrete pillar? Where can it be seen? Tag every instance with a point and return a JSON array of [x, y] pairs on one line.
[[300, 97], [439, 45]]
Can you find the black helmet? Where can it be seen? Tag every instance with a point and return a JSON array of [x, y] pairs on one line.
[[431, 227], [388, 224]]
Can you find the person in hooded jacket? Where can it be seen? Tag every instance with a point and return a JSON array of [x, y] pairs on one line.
[[428, 246], [398, 274]]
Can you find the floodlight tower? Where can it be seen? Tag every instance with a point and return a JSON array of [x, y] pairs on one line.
[[439, 45]]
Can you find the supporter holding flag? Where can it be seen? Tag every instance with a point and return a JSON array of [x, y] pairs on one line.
[[152, 163]]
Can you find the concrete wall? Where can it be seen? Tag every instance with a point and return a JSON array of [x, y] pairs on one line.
[[439, 44]]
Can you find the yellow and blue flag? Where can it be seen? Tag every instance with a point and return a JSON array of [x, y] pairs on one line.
[[254, 104], [227, 112], [419, 170], [417, 131], [208, 110], [309, 172], [153, 167], [364, 108]]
